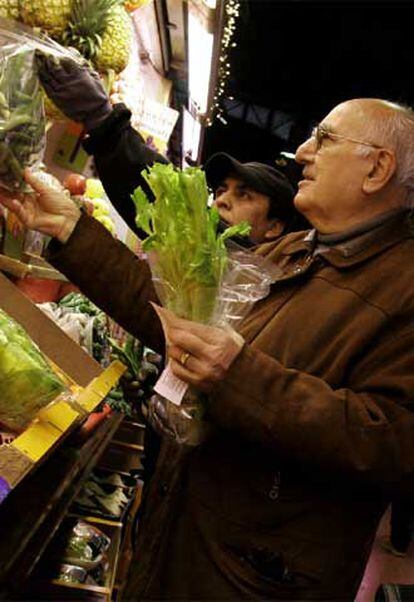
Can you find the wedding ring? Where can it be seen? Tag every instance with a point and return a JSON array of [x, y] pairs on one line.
[[184, 358]]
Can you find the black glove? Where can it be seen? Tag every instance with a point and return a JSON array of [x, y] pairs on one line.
[[75, 89]]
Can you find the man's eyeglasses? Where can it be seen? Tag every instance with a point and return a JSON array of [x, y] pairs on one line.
[[321, 133]]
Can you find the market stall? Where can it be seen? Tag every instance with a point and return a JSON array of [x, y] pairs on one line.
[[71, 467]]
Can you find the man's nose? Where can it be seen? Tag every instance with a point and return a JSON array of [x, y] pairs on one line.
[[305, 151], [223, 200]]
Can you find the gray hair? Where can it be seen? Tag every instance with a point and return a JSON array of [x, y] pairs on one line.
[[394, 127]]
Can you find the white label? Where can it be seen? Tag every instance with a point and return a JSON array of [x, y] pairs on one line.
[[170, 386]]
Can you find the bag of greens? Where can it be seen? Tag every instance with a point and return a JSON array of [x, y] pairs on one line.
[[22, 116], [27, 381], [199, 275]]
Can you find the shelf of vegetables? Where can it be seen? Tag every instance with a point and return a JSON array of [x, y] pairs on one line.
[[50, 386], [33, 512], [58, 455]]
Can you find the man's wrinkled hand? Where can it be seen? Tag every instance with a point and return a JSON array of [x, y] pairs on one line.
[[45, 210], [199, 355]]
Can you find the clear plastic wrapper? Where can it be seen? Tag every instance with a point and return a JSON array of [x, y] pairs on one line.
[[68, 573], [85, 545], [198, 274], [246, 280], [22, 118], [27, 381]]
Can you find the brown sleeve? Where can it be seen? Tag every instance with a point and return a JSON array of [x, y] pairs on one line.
[[364, 430], [112, 277]]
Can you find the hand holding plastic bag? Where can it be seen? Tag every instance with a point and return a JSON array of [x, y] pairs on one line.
[[195, 277]]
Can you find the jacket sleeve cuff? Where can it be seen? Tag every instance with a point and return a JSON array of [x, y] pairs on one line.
[[101, 139]]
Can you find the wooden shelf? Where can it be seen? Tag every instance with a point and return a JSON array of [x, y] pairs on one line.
[[31, 515], [21, 269]]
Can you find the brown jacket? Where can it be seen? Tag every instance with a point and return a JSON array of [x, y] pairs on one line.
[[314, 423]]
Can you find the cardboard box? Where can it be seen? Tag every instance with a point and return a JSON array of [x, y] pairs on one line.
[[55, 421], [53, 342]]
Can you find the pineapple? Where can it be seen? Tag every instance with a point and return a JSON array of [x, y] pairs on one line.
[[102, 31], [50, 15], [116, 42], [87, 23], [9, 9]]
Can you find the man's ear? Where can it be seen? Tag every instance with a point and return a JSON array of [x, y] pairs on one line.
[[382, 169], [275, 230]]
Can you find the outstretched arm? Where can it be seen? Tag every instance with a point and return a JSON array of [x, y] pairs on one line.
[[104, 269], [119, 151]]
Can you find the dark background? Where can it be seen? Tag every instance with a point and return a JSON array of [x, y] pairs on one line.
[[295, 60]]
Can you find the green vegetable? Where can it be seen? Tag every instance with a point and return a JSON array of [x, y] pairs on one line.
[[130, 354], [190, 257], [78, 548], [22, 121], [27, 382]]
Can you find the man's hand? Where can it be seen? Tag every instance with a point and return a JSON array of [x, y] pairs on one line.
[[200, 355], [75, 89], [46, 210]]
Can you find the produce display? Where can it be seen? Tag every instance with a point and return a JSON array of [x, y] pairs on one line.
[[88, 326], [10, 9], [85, 545], [103, 499], [101, 30], [50, 15], [22, 123], [69, 573], [27, 381]]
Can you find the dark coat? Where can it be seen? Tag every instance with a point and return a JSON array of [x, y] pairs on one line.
[[314, 423]]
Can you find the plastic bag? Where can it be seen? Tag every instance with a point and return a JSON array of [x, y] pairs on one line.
[[22, 117], [246, 280], [27, 381]]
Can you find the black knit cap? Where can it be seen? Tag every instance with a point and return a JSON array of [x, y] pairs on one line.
[[257, 176]]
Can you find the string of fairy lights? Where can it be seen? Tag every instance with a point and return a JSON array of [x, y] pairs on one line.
[[231, 14]]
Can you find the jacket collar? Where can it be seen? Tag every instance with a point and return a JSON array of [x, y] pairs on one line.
[[396, 228]]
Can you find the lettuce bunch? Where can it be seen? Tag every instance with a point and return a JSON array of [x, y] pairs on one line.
[[188, 256], [27, 381]]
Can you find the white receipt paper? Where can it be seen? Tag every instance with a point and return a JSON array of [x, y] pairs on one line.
[[171, 387]]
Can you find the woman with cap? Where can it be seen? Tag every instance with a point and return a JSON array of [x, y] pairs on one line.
[[255, 192]]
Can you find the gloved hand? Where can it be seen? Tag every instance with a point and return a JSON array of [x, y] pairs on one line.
[[74, 88]]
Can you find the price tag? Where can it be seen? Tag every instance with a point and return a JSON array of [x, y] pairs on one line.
[[171, 387]]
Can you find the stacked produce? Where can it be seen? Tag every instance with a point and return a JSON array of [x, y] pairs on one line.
[[104, 500], [95, 198], [50, 15], [78, 554], [90, 193], [10, 9], [136, 385], [27, 381], [22, 124], [100, 29], [91, 329]]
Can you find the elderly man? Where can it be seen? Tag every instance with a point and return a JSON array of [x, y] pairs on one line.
[[312, 400], [255, 192]]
